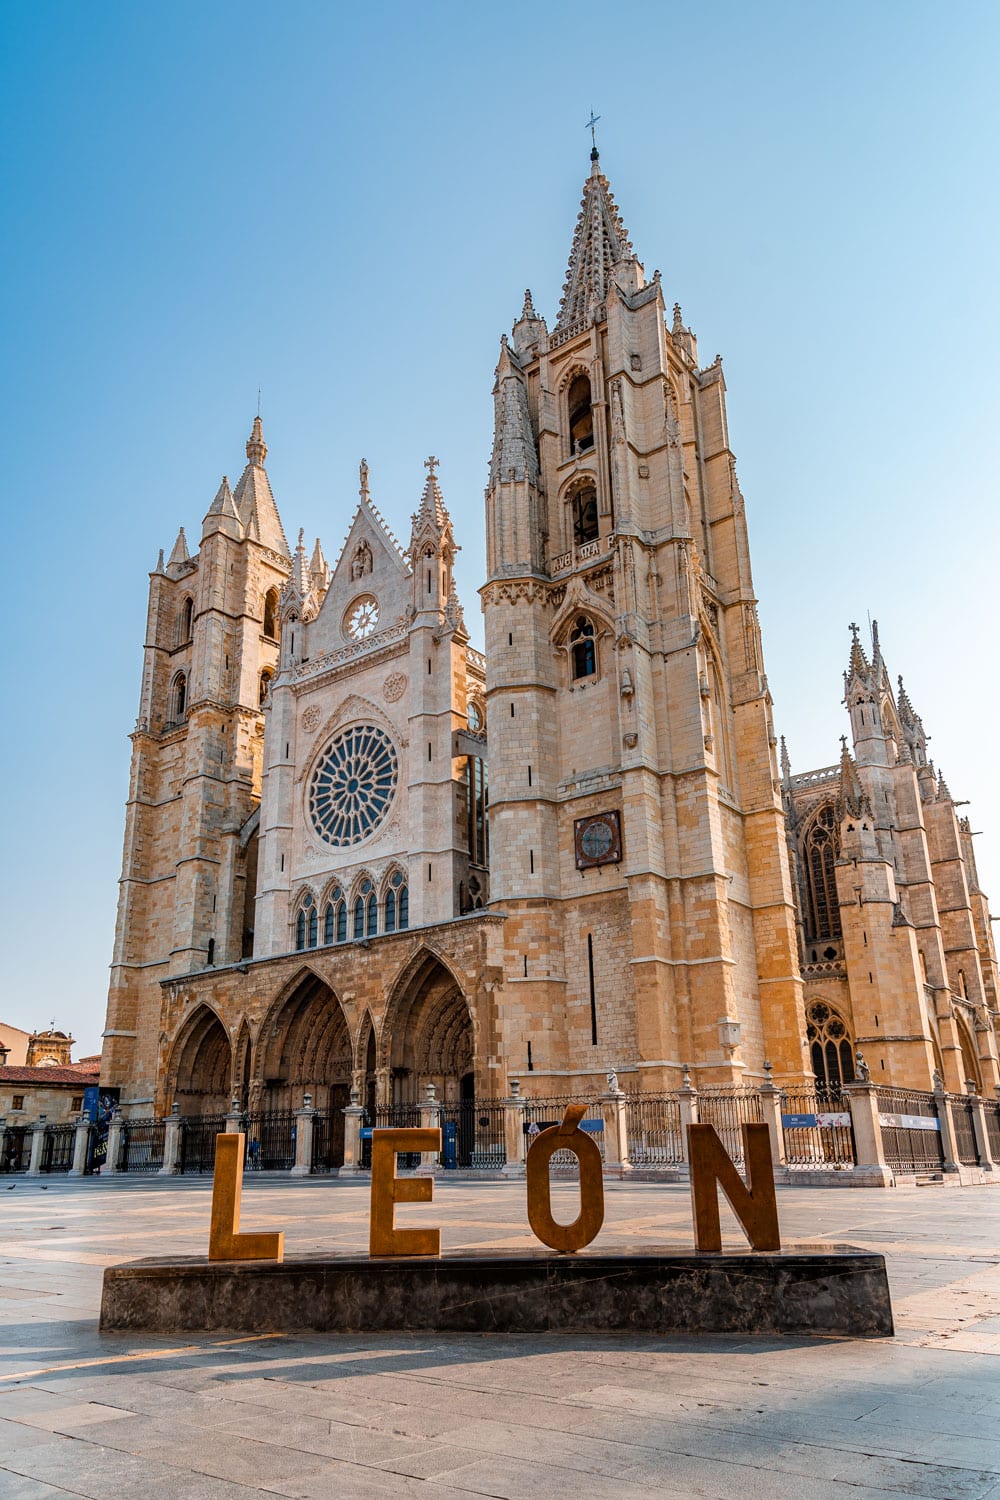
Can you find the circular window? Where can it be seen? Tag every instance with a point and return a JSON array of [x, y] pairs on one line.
[[352, 785], [361, 617], [475, 718]]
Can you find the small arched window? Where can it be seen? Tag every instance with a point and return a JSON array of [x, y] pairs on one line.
[[582, 648], [266, 678], [830, 1045], [819, 857], [581, 415], [390, 911], [586, 526], [300, 931], [271, 614], [366, 894], [328, 923], [178, 706], [341, 921], [185, 622], [313, 927], [393, 899], [403, 907]]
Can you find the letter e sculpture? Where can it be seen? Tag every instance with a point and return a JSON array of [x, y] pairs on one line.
[[388, 1189]]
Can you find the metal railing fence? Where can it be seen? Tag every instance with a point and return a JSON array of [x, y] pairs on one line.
[[57, 1148], [541, 1113], [991, 1111], [16, 1153], [966, 1146], [473, 1135], [727, 1110], [270, 1141], [197, 1142], [911, 1131], [653, 1128], [328, 1140], [141, 1147], [817, 1130]]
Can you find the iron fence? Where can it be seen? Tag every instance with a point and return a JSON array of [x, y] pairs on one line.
[[270, 1141], [991, 1110], [728, 1110], [966, 1147], [197, 1143], [57, 1148], [473, 1135], [390, 1117], [911, 1131], [141, 1148], [817, 1130], [328, 1140], [541, 1113], [16, 1156], [655, 1134]]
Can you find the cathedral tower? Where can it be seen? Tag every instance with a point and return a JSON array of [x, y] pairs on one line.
[[638, 841], [189, 863]]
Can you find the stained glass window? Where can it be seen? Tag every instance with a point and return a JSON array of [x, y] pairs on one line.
[[352, 785], [820, 851]]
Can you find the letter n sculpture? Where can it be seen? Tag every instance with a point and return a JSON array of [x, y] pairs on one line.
[[753, 1202]]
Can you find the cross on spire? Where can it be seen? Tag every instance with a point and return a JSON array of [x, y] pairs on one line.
[[590, 126], [431, 464]]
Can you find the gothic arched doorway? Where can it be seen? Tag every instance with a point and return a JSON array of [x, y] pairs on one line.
[[305, 1047], [202, 1071], [431, 1037]]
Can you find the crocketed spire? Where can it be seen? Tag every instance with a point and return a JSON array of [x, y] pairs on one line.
[[254, 500], [431, 507], [514, 455], [599, 244], [858, 665], [256, 446]]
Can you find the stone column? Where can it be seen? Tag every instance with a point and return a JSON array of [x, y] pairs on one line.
[[304, 1119], [986, 1161], [946, 1125], [615, 1132], [37, 1146], [515, 1141], [870, 1165], [171, 1142], [81, 1145], [770, 1100], [111, 1160], [353, 1116], [234, 1119], [430, 1119], [688, 1101]]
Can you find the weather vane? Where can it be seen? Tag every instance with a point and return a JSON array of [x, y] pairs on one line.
[[590, 126]]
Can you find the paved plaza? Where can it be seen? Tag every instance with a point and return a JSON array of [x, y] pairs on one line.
[[594, 1417]]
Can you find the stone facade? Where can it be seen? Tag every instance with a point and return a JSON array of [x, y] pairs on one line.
[[309, 902], [894, 930]]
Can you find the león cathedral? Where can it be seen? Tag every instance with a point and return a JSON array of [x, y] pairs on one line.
[[361, 855]]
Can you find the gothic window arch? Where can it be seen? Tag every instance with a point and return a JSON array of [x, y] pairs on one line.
[[185, 621], [266, 678], [397, 903], [335, 917], [178, 698], [831, 1047], [271, 614], [819, 858], [365, 903], [583, 648], [580, 414], [306, 923]]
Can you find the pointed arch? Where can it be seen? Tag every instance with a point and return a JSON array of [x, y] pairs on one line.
[[242, 1064], [305, 1046], [831, 1043], [271, 602], [199, 1074], [428, 1035], [820, 847], [177, 698], [972, 1071], [185, 621]]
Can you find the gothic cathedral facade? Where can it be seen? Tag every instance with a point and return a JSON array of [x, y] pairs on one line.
[[323, 891]]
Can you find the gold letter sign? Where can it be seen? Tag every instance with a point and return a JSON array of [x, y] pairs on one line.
[[225, 1242], [754, 1205], [388, 1190], [565, 1137]]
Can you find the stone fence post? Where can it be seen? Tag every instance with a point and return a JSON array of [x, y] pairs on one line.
[[37, 1147], [946, 1125], [114, 1151], [430, 1119], [688, 1102], [515, 1142], [615, 1131], [304, 1128], [234, 1119], [81, 1146], [870, 1163], [770, 1103], [986, 1161], [353, 1116], [171, 1142]]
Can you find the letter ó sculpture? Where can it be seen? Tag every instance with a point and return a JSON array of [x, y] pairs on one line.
[[565, 1137]]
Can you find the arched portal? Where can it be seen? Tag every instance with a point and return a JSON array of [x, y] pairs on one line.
[[202, 1069], [305, 1047], [971, 1070], [430, 1035]]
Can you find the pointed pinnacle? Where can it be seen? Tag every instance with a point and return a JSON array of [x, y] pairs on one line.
[[256, 446]]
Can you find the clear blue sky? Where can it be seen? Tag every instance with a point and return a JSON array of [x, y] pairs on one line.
[[343, 206]]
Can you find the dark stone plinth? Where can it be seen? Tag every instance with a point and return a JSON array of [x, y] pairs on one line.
[[809, 1289]]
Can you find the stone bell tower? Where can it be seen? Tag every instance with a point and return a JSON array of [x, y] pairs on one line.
[[639, 847]]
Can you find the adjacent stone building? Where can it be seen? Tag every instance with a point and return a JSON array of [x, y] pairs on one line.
[[315, 897]]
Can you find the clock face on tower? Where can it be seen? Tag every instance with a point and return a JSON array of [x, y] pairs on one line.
[[597, 840], [361, 618]]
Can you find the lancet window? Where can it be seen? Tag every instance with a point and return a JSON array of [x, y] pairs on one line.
[[819, 858], [582, 648], [830, 1045], [397, 903], [271, 614], [307, 924], [185, 621], [586, 526], [178, 698], [581, 415], [266, 678]]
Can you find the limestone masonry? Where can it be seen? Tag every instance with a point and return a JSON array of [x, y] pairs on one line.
[[314, 897]]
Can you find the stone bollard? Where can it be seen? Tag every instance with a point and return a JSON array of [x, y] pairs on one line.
[[304, 1125], [770, 1103], [37, 1147], [986, 1162], [353, 1116], [946, 1125], [688, 1101], [616, 1132], [870, 1163], [515, 1141], [81, 1147], [430, 1119], [234, 1119], [114, 1151], [171, 1142]]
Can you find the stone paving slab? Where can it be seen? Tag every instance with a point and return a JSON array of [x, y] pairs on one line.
[[726, 1416]]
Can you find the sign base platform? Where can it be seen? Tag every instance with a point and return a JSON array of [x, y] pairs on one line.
[[818, 1289]]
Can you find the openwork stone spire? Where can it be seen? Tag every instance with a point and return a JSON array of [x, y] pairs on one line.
[[599, 244]]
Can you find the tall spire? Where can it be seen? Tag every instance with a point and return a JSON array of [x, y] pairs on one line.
[[858, 665], [431, 507], [300, 568], [254, 500], [515, 454], [599, 244], [256, 446], [222, 514], [180, 556]]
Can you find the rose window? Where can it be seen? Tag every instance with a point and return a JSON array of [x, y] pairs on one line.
[[352, 786], [361, 617]]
